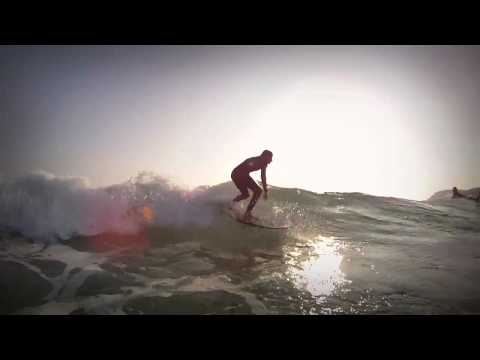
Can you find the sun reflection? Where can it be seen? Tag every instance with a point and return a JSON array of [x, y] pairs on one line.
[[315, 267]]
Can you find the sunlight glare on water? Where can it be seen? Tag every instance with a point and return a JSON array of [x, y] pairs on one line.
[[317, 270]]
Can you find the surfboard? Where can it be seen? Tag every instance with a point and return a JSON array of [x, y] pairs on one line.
[[254, 222]]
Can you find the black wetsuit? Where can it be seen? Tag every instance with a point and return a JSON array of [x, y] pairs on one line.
[[241, 174]]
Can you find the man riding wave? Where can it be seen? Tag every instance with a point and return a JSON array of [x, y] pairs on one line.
[[241, 178]]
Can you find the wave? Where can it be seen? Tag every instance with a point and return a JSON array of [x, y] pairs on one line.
[[46, 207]]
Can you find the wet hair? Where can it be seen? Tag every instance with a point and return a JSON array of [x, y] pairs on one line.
[[266, 153]]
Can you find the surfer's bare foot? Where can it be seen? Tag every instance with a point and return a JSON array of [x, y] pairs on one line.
[[248, 216]]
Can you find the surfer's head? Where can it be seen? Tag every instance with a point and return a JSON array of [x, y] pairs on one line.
[[267, 155]]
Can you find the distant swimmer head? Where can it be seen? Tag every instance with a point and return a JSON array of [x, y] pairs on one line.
[[267, 155]]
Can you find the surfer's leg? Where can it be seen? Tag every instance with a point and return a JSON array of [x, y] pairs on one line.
[[254, 199], [241, 184], [257, 191], [241, 197]]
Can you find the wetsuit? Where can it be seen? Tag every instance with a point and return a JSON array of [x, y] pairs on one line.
[[243, 181]]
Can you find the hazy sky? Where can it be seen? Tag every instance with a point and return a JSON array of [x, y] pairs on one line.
[[386, 120]]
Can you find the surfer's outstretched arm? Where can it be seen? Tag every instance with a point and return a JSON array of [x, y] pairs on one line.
[[264, 182]]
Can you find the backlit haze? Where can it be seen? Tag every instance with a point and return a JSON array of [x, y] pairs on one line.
[[397, 121]]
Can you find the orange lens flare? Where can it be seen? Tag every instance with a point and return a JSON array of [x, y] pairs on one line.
[[147, 213], [112, 240]]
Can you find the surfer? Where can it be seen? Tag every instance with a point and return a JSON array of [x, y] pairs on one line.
[[241, 178], [457, 194]]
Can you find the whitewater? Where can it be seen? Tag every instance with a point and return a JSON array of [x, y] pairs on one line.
[[147, 246]]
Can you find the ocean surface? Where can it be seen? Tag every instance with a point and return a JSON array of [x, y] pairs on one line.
[[149, 247]]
